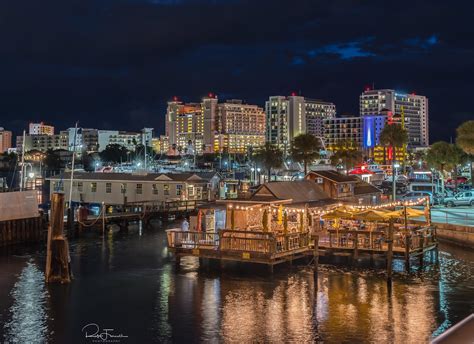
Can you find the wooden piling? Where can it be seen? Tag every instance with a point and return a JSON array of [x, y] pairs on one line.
[[316, 254], [57, 254], [356, 249], [390, 252]]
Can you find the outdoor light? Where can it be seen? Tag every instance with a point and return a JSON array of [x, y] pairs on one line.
[[396, 165], [252, 169], [258, 170], [139, 164], [31, 175]]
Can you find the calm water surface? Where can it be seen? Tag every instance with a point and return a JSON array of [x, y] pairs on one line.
[[128, 283]]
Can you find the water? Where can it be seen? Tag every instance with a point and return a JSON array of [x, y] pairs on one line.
[[128, 283]]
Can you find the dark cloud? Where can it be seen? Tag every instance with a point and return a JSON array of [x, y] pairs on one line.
[[116, 62]]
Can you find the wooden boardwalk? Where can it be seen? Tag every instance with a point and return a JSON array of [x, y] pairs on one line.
[[139, 211]]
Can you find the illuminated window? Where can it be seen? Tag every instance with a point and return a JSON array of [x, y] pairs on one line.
[[94, 187], [179, 187], [166, 189]]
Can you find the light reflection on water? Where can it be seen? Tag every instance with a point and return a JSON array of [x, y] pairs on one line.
[[28, 322], [128, 282]]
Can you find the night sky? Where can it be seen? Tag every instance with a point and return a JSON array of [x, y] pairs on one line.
[[113, 64]]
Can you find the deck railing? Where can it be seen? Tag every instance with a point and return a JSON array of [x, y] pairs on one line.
[[239, 241], [377, 239], [192, 240]]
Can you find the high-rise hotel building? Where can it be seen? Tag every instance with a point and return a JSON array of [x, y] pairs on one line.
[[411, 108], [213, 127], [288, 117], [41, 129]]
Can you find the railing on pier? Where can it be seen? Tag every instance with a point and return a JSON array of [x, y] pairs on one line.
[[238, 241], [192, 240], [376, 240]]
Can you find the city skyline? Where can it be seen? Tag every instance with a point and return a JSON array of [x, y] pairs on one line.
[[125, 59]]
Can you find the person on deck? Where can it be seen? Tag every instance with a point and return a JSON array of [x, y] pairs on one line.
[[185, 225]]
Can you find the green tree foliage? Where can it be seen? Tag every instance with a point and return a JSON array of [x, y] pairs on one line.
[[52, 161], [465, 137], [305, 148], [269, 157], [444, 156], [395, 136], [348, 154], [114, 153]]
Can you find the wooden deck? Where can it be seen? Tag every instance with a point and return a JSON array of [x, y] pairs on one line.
[[274, 248], [244, 246]]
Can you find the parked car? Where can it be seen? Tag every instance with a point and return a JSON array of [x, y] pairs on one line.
[[415, 195], [400, 188], [461, 198]]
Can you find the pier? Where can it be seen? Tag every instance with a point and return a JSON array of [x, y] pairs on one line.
[[135, 211]]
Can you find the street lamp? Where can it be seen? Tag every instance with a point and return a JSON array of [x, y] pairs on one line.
[[252, 169], [258, 174], [394, 180]]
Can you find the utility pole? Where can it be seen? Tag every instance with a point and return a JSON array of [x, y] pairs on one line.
[[22, 177]]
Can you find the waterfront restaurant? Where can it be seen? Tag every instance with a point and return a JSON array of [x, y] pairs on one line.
[[270, 226]]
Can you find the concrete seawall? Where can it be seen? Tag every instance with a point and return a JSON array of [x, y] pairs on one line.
[[461, 235]]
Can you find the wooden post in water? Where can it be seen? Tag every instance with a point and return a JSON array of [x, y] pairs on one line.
[[57, 254], [356, 248], [390, 252], [407, 241], [316, 254]]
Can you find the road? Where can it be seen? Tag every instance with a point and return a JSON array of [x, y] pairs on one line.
[[463, 215]]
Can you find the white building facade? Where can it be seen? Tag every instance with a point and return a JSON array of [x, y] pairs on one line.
[[412, 108]]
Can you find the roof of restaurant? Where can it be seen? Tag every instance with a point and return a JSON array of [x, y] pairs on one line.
[[335, 176], [362, 188]]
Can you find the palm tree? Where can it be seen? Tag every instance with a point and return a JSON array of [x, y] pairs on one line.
[[305, 148], [465, 140], [347, 154], [395, 136], [269, 156]]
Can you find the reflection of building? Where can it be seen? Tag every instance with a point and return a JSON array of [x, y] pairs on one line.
[[209, 127], [5, 140], [414, 109], [41, 129], [291, 116]]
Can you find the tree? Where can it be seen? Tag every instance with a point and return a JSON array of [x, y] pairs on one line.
[[395, 136], [269, 156], [465, 140], [445, 157], [347, 154], [114, 153], [305, 148], [52, 161], [465, 137]]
